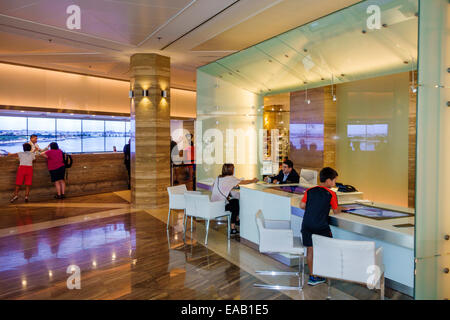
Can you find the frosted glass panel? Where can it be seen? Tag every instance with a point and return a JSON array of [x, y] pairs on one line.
[[372, 130], [227, 127], [433, 153]]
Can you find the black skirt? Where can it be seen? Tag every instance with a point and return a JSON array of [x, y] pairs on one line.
[[58, 174]]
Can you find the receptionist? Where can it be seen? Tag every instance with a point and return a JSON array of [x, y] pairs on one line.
[[286, 175]]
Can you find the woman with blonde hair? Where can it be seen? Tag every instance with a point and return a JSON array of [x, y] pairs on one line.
[[222, 190]]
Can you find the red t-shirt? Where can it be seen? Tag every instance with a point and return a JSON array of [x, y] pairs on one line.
[[54, 159], [318, 202]]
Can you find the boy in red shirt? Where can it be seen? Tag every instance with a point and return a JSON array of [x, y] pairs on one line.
[[317, 202]]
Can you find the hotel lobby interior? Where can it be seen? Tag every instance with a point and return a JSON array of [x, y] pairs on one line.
[[190, 85]]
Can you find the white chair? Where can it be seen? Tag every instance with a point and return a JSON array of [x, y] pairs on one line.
[[353, 261], [308, 176], [276, 236], [176, 199], [200, 206]]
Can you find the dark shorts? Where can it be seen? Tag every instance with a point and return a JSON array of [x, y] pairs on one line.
[[58, 174], [307, 235]]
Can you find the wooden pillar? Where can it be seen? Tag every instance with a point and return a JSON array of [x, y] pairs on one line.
[[150, 130]]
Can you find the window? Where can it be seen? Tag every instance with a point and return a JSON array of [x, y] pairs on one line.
[[72, 135], [114, 135], [93, 135], [13, 133], [69, 135], [44, 128]]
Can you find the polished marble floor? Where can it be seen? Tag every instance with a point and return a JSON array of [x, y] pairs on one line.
[[124, 253]]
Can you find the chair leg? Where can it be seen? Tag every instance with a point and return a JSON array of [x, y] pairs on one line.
[[207, 230], [300, 275], [301, 272], [184, 226], [228, 227], [329, 289], [168, 219], [382, 287]]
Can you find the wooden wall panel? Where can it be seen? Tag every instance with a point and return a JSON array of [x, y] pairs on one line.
[[89, 174], [412, 146], [315, 146]]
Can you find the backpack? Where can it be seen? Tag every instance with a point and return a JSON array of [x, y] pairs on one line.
[[67, 158]]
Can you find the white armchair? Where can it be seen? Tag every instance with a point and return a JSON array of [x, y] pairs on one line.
[[176, 199], [276, 236], [353, 261], [308, 177], [200, 206]]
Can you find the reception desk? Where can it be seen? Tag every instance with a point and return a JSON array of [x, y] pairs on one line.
[[397, 242], [90, 173]]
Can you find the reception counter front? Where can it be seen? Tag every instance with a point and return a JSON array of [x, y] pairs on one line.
[[90, 173], [394, 235]]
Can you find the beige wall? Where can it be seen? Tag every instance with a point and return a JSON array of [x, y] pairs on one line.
[[375, 163], [33, 87]]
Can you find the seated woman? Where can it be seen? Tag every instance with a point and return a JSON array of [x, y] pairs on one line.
[[222, 190]]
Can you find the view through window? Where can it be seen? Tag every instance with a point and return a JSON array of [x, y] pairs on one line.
[[72, 135]]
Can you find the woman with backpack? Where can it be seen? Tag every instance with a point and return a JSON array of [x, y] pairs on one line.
[[57, 169]]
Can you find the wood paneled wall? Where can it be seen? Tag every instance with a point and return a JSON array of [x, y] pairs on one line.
[[89, 174], [305, 150], [412, 145]]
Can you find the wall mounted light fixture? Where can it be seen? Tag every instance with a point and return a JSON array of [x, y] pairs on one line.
[[164, 93], [145, 93], [131, 94]]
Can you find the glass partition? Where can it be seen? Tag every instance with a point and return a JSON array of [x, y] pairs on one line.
[[432, 236]]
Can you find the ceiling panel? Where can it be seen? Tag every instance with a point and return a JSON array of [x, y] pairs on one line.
[[124, 21]]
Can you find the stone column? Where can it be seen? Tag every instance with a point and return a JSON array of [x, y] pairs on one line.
[[150, 130]]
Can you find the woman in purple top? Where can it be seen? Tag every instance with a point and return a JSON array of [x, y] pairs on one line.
[[57, 169]]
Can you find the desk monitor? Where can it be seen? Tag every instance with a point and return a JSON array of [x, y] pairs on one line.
[[374, 213]]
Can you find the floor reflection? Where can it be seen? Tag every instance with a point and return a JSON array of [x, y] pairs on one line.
[[130, 256]]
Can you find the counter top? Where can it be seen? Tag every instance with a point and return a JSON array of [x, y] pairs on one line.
[[380, 229]]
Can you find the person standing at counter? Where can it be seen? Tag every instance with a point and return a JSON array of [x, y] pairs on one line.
[[57, 169], [127, 161], [287, 174], [34, 146], [24, 172], [222, 190], [317, 202]]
